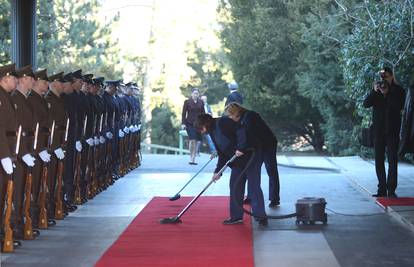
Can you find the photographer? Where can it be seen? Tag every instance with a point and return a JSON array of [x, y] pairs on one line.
[[387, 100]]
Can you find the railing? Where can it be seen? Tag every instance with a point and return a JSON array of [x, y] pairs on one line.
[[153, 148]]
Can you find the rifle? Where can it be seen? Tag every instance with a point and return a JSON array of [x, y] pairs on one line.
[[43, 186], [28, 228], [77, 197], [59, 215], [8, 243]]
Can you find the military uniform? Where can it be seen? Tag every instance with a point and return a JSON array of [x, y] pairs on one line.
[[58, 115], [25, 118], [41, 114], [8, 127]]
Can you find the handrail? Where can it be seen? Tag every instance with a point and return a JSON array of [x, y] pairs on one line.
[[153, 148]]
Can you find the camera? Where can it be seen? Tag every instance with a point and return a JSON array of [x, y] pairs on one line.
[[382, 74]]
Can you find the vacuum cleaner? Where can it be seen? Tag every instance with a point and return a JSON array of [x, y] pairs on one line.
[[309, 210]]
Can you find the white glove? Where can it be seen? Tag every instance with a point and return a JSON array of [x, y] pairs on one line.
[[78, 146], [59, 153], [139, 127], [89, 141], [29, 160], [109, 135], [44, 156], [132, 129], [121, 133], [136, 128], [7, 165], [96, 140], [102, 139], [126, 129]]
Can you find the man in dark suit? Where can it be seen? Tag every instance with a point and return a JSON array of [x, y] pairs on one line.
[[387, 100], [234, 95]]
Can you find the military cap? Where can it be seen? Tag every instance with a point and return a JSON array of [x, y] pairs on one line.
[[68, 77], [8, 70], [41, 75], [77, 74], [58, 77], [88, 78], [98, 81], [25, 71], [112, 82], [128, 84]]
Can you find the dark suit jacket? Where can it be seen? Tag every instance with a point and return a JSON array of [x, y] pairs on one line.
[[386, 114]]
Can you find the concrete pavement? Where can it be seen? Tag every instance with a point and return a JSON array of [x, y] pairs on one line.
[[346, 184]]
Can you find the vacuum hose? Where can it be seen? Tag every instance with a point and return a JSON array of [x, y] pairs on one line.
[[240, 179]]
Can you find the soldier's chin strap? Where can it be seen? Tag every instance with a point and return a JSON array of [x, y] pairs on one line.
[[240, 179]]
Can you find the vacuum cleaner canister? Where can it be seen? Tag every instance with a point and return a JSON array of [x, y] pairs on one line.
[[310, 210]]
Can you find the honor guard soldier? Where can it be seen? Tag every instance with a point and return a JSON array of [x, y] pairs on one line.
[[25, 161], [8, 133], [77, 85], [69, 99], [41, 114], [113, 118], [59, 118]]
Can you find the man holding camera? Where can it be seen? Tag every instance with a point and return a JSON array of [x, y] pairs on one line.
[[387, 100]]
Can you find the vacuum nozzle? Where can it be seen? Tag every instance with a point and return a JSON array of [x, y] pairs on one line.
[[170, 220], [175, 197]]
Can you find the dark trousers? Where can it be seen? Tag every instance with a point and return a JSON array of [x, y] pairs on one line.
[[18, 196], [69, 171], [37, 177], [270, 162], [84, 166], [386, 183], [4, 178], [51, 183], [237, 188]]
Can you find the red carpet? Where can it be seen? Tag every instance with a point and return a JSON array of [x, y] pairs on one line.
[[200, 240], [401, 201]]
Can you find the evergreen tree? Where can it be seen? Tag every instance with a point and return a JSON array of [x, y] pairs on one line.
[[71, 36], [5, 36]]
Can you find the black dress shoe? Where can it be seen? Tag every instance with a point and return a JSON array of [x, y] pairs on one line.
[[392, 195], [274, 204], [51, 222], [379, 195], [230, 221], [247, 201]]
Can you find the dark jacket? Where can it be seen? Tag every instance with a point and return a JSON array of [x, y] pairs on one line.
[[234, 96], [407, 125], [386, 114], [8, 126], [191, 110], [223, 133], [254, 132]]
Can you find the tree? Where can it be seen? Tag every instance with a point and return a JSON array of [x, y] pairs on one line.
[[5, 36], [319, 72], [263, 51], [210, 69], [72, 37]]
